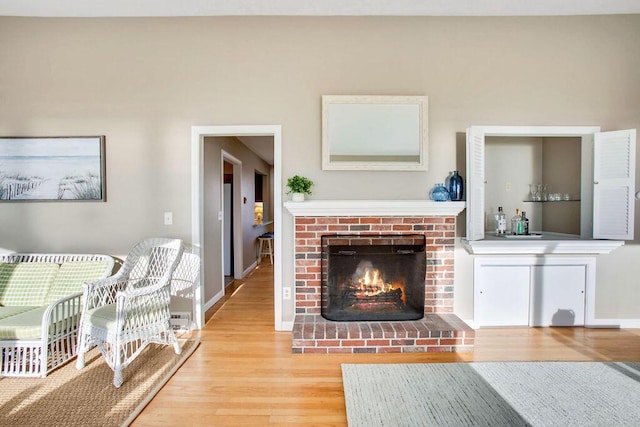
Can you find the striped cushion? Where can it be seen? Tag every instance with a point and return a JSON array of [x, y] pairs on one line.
[[25, 283], [10, 311], [23, 326], [72, 275]]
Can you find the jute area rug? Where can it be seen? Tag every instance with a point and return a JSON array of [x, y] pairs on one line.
[[493, 394], [68, 397]]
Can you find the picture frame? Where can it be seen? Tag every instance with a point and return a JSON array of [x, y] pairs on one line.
[[366, 132], [47, 169]]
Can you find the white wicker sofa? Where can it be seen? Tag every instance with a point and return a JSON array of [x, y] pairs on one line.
[[40, 302]]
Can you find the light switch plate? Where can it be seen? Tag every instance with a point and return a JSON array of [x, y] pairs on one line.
[[168, 218]]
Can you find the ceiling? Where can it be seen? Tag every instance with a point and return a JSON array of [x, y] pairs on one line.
[[114, 8]]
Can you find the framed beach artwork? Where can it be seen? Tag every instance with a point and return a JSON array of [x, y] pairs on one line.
[[52, 169]]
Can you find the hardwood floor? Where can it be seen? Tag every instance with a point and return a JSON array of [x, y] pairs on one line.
[[244, 373]]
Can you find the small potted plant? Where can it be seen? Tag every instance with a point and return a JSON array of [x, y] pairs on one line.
[[298, 187]]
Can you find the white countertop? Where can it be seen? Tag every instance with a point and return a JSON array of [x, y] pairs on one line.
[[548, 243]]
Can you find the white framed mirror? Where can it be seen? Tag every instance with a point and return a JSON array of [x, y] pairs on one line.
[[374, 132]]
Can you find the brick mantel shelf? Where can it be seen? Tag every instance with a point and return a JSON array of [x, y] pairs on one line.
[[374, 208], [439, 330]]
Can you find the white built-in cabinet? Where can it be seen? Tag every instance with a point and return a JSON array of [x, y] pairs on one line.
[[533, 291], [550, 281]]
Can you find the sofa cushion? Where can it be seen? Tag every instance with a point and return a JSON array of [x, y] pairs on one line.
[[23, 326], [11, 311], [71, 277], [25, 283]]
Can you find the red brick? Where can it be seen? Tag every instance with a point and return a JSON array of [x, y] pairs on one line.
[[370, 220], [402, 227], [353, 343], [427, 341], [328, 343], [343, 350], [389, 350], [378, 343], [316, 350], [327, 220], [348, 220], [305, 220]]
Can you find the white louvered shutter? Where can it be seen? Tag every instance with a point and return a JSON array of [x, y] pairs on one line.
[[614, 184], [475, 183]]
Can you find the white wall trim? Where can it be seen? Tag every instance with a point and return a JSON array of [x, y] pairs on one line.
[[614, 323], [217, 297], [198, 133]]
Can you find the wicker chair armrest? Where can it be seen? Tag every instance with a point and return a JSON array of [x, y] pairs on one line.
[[102, 291]]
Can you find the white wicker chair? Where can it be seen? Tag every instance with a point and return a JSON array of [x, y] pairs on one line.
[[122, 314]]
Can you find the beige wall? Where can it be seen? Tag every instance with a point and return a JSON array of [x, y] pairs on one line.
[[144, 82]]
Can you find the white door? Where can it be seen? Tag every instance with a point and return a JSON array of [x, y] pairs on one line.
[[501, 295], [227, 209], [614, 174], [558, 295]]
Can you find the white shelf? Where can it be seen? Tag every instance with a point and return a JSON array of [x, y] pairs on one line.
[[374, 208]]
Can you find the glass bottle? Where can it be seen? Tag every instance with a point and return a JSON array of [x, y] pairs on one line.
[[455, 186], [501, 222], [517, 225], [525, 223]]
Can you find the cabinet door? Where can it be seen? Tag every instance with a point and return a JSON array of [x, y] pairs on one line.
[[558, 295], [502, 295], [614, 176], [475, 184]]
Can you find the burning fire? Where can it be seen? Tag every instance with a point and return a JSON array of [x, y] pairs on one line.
[[369, 282]]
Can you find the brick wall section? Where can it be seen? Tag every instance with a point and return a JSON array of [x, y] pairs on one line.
[[439, 331], [440, 241]]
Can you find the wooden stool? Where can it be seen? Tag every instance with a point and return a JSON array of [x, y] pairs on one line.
[[265, 246]]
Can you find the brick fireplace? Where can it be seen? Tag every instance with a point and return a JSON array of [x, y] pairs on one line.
[[439, 331]]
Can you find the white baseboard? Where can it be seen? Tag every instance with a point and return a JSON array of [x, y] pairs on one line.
[[249, 269], [593, 323], [613, 323], [217, 297]]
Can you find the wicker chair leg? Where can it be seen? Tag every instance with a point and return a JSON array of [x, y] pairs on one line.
[[117, 377], [176, 347], [80, 353]]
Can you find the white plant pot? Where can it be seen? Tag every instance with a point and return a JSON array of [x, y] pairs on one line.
[[297, 197]]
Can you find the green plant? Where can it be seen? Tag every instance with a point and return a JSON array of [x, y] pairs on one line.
[[299, 184]]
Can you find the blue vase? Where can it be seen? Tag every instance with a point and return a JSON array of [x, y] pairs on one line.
[[455, 187], [439, 193]]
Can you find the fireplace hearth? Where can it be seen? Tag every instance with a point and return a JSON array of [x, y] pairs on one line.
[[373, 277]]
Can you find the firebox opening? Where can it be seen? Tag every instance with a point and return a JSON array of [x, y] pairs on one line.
[[373, 277]]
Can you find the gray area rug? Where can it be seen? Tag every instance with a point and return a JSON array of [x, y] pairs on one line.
[[493, 394]]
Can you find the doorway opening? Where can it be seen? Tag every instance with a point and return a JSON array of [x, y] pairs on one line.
[[198, 135]]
